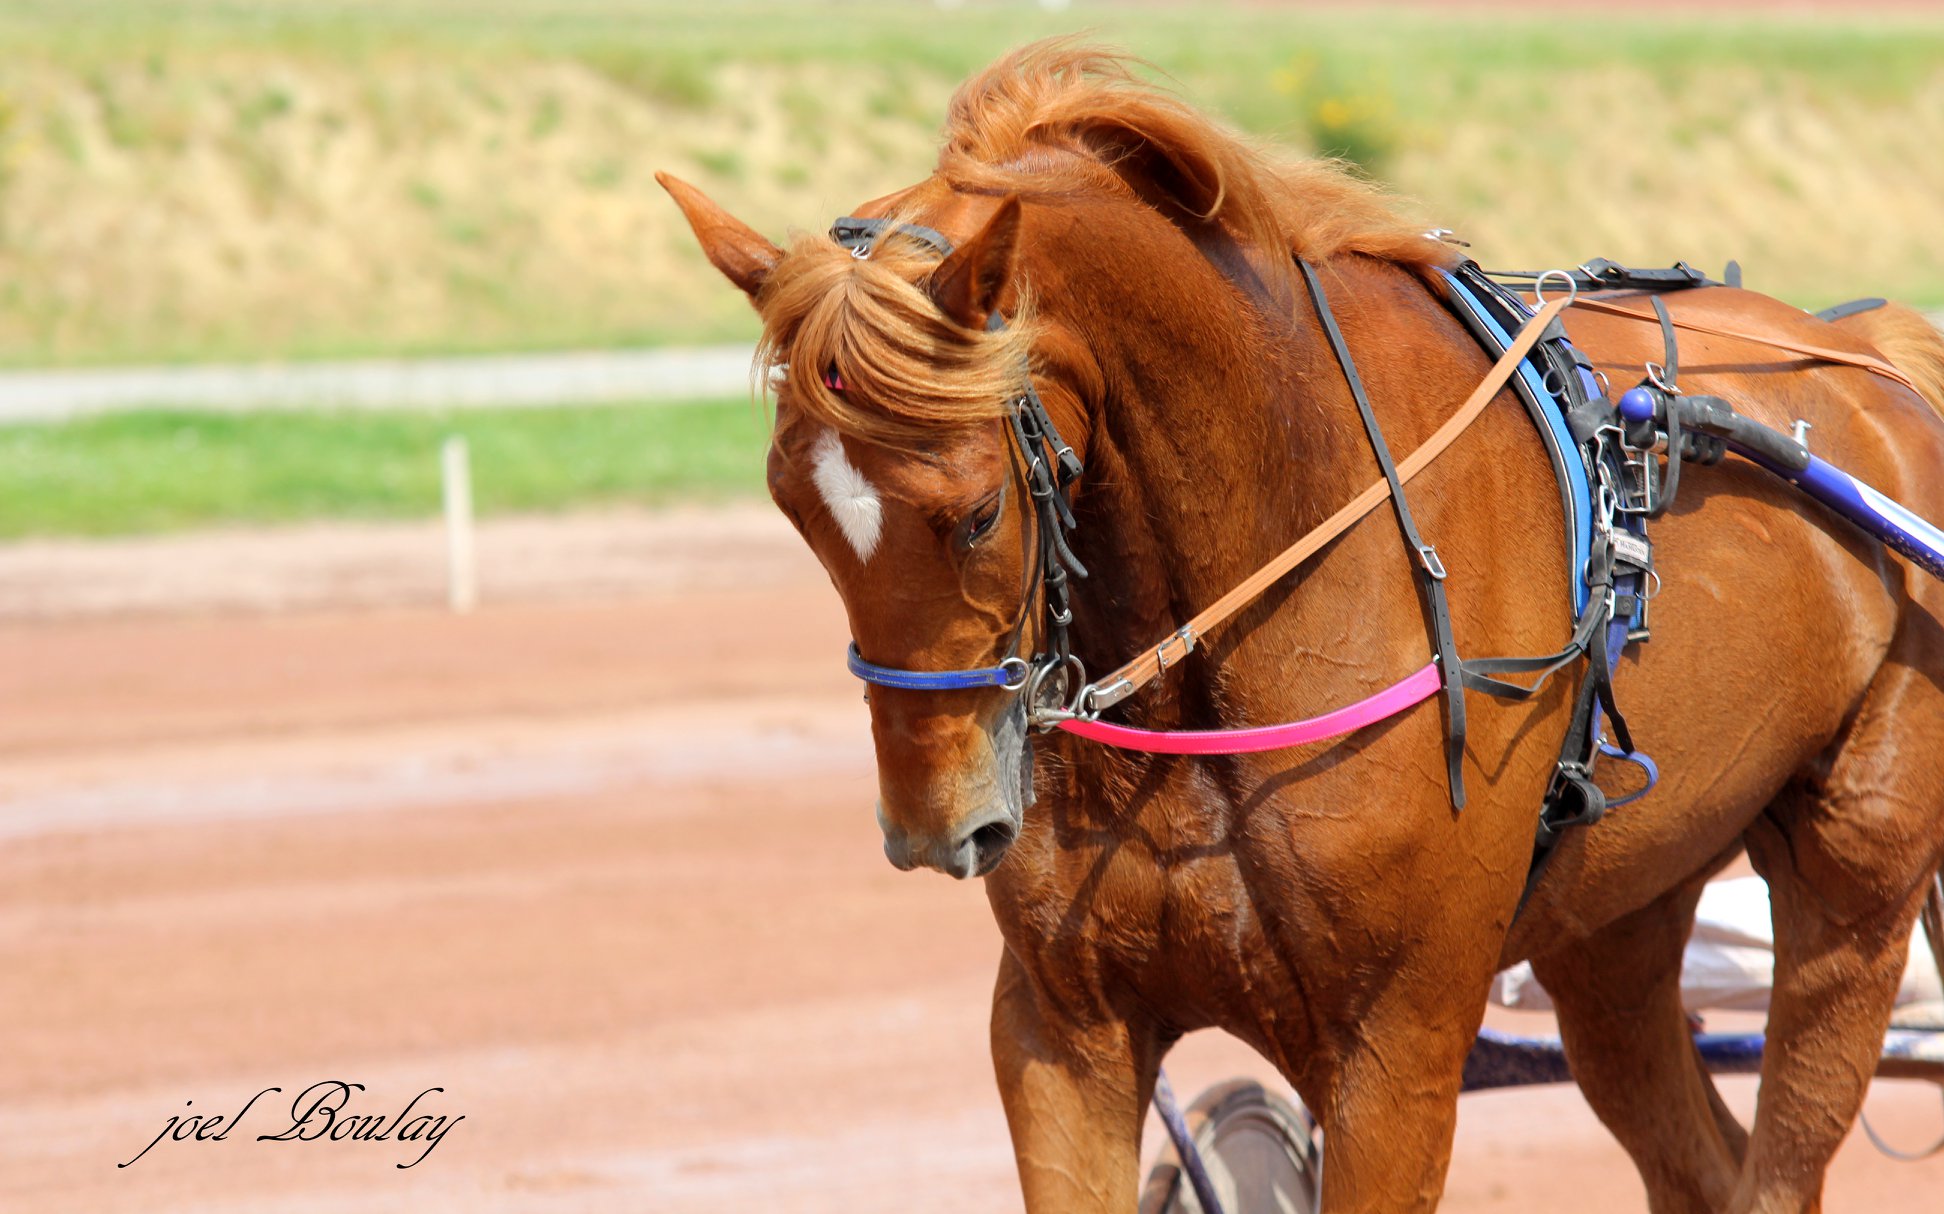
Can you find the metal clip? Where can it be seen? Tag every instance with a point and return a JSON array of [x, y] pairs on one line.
[[1047, 705], [1432, 565], [1107, 695]]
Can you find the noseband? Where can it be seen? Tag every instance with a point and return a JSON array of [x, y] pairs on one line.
[[1053, 680]]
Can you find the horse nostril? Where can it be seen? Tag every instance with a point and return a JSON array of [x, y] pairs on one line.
[[989, 844]]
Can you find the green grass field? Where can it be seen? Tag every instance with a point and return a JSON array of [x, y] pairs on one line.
[[160, 471], [194, 179]]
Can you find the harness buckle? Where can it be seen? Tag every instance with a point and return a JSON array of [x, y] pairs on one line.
[[1428, 555], [1100, 698], [1187, 639], [1572, 800]]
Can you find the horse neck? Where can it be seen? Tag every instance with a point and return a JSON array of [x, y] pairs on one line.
[[1224, 439]]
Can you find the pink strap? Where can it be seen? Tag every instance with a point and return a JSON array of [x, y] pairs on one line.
[[1386, 703]]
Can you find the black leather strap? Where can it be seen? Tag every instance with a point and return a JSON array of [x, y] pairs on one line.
[[1600, 274], [1572, 800], [1850, 309], [1478, 671], [1427, 567]]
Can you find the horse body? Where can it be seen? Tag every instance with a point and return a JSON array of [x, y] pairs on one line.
[[1327, 904]]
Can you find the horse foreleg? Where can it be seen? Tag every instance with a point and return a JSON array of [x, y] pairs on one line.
[[1847, 858], [1618, 996], [1389, 1108], [1075, 1084]]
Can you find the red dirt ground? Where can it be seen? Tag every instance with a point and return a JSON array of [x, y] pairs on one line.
[[605, 871]]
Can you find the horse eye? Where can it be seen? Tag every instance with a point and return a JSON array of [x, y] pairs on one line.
[[981, 520]]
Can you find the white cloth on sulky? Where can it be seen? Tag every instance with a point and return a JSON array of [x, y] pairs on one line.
[[1730, 960]]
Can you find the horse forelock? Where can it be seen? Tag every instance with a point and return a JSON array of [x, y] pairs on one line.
[[902, 369]]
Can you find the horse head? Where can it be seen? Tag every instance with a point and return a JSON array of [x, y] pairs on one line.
[[893, 456]]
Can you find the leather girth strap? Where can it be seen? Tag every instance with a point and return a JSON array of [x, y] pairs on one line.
[[1428, 570]]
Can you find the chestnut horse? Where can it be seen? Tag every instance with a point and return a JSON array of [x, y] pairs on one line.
[[1327, 904]]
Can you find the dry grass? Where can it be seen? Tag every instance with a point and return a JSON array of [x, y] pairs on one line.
[[194, 178], [1819, 197], [287, 204]]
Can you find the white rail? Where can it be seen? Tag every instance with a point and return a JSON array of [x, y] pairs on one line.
[[494, 380], [497, 380]]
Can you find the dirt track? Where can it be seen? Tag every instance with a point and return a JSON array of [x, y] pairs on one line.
[[605, 871]]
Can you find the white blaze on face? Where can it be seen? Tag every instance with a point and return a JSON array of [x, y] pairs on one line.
[[851, 500]]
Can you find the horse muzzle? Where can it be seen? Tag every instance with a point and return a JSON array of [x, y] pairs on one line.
[[972, 851], [971, 843]]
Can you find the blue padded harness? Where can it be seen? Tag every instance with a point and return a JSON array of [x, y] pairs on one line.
[[1551, 384], [1548, 414]]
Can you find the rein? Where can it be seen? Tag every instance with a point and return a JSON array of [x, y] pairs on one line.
[[1054, 681], [1828, 354]]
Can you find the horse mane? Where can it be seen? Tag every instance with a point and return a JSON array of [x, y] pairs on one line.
[[1062, 94], [1055, 116]]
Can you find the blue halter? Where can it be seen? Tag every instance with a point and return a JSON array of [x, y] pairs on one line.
[[1051, 466]]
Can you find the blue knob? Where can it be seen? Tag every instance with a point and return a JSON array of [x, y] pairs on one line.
[[1637, 405]]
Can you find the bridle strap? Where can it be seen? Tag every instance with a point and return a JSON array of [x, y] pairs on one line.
[[860, 236], [1142, 670], [1048, 468], [1389, 702]]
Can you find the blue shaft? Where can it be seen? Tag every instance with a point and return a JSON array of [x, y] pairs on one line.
[[1184, 1144], [1877, 514]]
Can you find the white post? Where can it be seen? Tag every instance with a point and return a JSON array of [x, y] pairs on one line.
[[462, 583]]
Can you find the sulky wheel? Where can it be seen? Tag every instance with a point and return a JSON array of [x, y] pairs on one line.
[[1264, 1154]]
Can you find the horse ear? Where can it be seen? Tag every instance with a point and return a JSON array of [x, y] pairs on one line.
[[744, 257], [1154, 157], [966, 285]]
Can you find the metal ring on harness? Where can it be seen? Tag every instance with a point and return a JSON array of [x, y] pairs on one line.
[[1067, 701], [1565, 276], [1025, 668]]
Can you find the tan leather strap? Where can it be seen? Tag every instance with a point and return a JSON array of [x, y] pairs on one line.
[[1868, 362], [1137, 673]]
